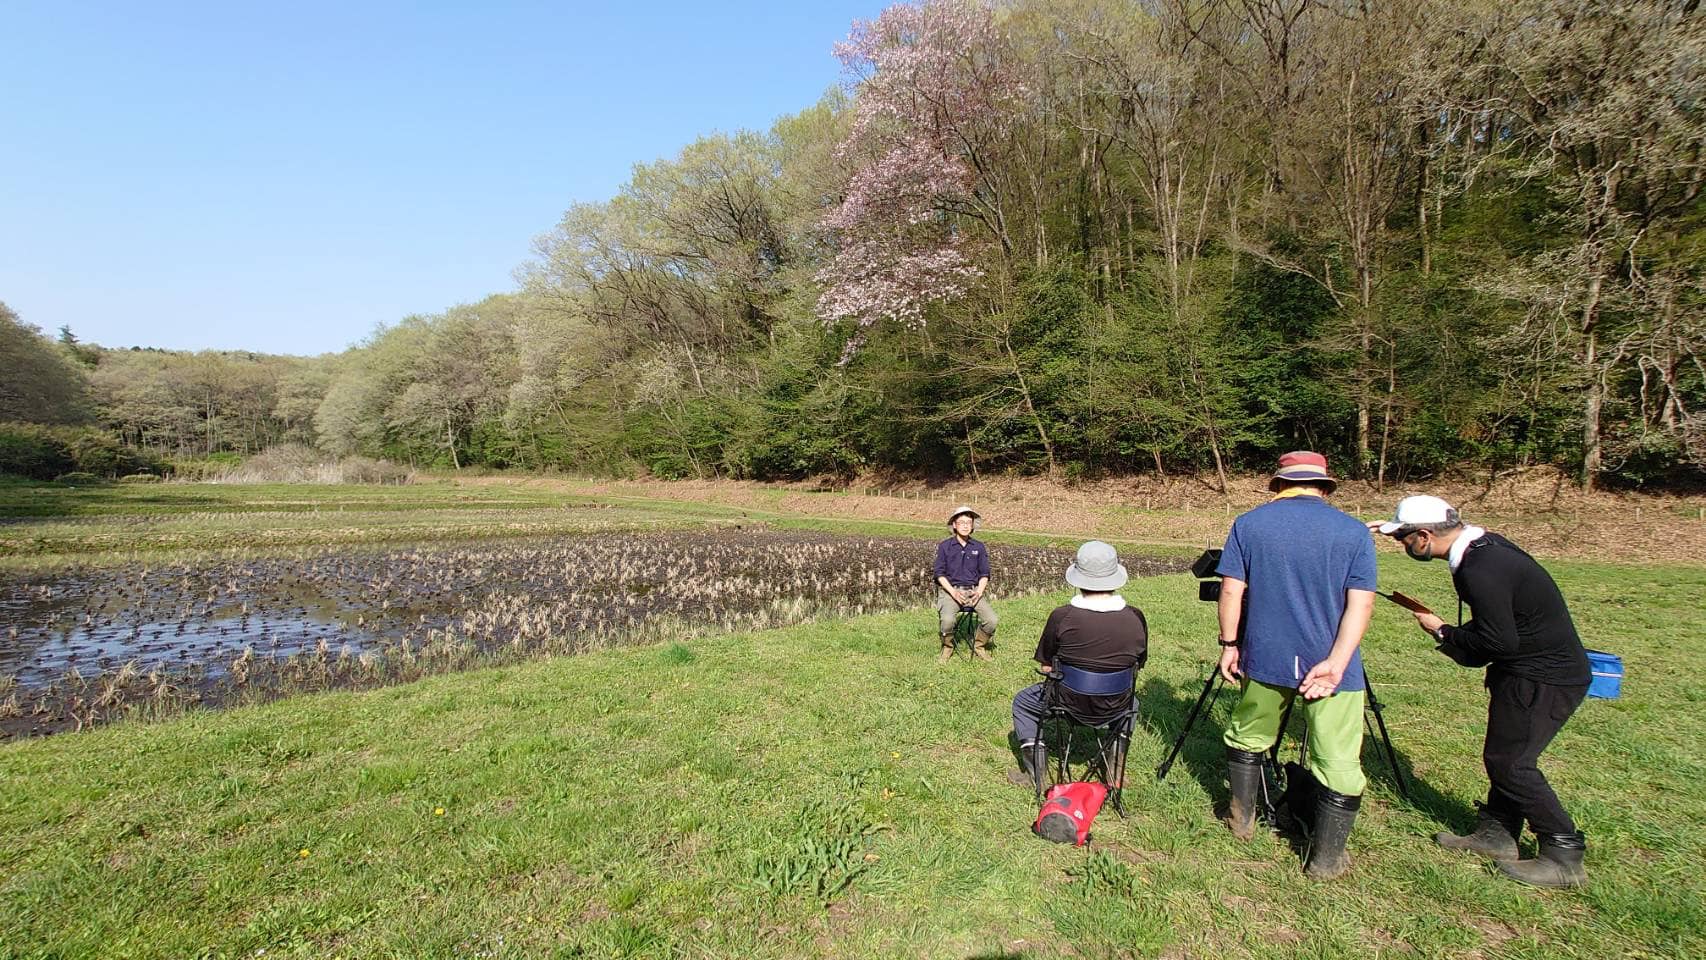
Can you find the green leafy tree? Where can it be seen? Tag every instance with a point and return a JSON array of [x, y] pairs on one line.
[[40, 385]]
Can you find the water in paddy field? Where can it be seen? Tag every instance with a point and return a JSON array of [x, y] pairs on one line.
[[41, 654], [193, 620], [99, 622]]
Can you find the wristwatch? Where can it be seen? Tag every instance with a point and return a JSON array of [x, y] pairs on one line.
[[1228, 643], [1439, 633]]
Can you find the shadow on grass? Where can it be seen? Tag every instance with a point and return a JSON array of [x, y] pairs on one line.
[[1165, 709], [40, 499], [1423, 797]]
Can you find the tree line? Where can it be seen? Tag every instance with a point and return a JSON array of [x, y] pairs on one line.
[[1083, 236]]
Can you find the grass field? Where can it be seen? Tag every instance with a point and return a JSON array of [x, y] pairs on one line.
[[46, 526], [826, 790]]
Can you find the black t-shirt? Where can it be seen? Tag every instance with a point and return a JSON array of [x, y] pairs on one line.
[[1099, 641], [1518, 623]]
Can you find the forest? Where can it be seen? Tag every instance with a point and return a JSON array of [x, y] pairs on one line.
[[1071, 238]]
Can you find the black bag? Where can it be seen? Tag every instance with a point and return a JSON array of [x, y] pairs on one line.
[[1295, 809]]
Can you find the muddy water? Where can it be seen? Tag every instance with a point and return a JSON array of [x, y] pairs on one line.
[[76, 642], [176, 616], [37, 658]]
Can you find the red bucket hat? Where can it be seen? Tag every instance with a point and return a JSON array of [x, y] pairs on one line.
[[1302, 466]]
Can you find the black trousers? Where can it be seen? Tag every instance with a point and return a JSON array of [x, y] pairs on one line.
[[1523, 716]]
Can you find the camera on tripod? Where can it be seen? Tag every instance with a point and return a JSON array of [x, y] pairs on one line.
[[1208, 589]]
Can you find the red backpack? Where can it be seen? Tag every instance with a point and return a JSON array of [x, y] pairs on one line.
[[1068, 812]]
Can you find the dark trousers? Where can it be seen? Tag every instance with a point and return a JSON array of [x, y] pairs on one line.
[[1029, 705], [1523, 716]]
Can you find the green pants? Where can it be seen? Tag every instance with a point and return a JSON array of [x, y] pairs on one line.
[[1335, 732]]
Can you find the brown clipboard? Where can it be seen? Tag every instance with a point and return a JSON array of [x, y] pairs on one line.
[[1407, 602]]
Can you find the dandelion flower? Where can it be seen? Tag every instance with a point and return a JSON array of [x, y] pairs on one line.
[[438, 811], [303, 853], [895, 754]]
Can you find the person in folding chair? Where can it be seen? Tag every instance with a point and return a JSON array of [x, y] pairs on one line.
[[1089, 655], [962, 584]]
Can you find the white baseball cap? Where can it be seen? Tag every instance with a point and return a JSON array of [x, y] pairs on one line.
[[1418, 510]]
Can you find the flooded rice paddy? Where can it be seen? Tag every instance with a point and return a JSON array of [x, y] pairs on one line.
[[79, 647]]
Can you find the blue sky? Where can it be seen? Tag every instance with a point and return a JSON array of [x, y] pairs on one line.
[[283, 178]]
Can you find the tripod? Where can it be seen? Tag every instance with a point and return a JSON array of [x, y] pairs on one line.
[[1211, 693]]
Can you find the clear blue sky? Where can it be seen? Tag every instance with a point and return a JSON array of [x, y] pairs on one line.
[[284, 177]]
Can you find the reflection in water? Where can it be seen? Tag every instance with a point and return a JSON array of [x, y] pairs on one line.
[[194, 628], [40, 656]]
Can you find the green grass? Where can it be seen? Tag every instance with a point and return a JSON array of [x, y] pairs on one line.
[[31, 498], [52, 525], [828, 790]]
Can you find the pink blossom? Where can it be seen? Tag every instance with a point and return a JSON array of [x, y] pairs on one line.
[[933, 87]]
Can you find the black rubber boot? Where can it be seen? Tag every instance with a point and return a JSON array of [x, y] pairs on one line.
[[1036, 765], [1244, 774], [1334, 815], [1494, 836], [1558, 865]]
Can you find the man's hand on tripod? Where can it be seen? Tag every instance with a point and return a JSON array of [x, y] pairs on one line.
[[1229, 664]]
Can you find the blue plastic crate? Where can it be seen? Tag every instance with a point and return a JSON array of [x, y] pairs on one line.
[[1607, 682]]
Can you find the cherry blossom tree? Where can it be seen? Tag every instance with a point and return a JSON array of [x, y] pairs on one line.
[[936, 90]]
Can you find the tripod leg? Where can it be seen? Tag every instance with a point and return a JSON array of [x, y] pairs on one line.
[[1375, 707], [1208, 687]]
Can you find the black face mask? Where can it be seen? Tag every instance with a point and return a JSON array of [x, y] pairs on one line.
[[1417, 555]]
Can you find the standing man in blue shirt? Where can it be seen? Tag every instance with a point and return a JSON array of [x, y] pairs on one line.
[[1296, 595], [962, 582]]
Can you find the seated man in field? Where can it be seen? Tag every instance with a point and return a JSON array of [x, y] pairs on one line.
[[962, 582], [1097, 631]]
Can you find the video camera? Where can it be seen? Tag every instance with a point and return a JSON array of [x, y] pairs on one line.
[[1202, 568]]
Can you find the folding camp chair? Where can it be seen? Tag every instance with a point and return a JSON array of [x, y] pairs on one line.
[[965, 628], [1112, 737]]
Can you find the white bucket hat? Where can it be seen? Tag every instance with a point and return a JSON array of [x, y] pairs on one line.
[[962, 508], [1098, 567]]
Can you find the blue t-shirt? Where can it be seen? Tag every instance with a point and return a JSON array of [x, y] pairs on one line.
[[1299, 555]]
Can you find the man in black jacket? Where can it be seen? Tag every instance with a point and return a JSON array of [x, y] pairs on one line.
[[1537, 675]]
